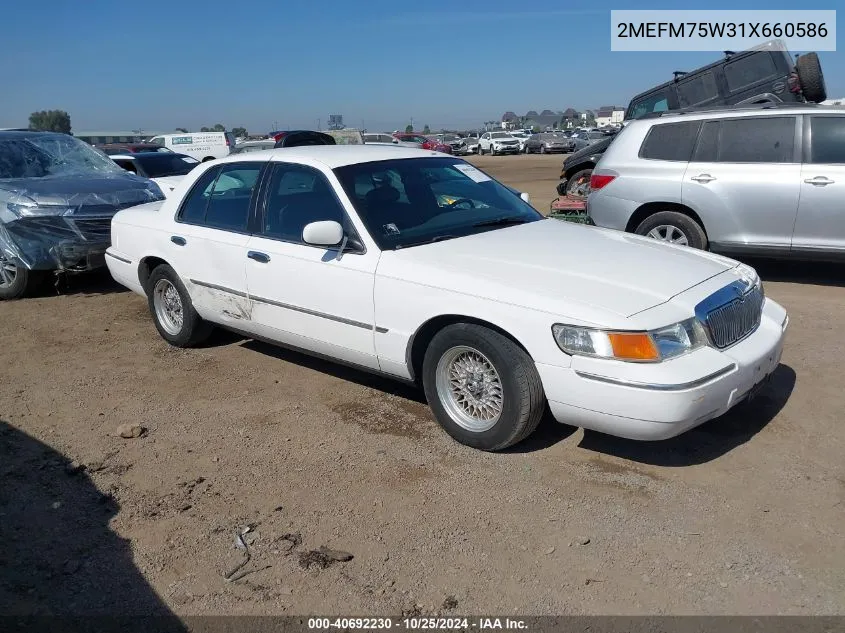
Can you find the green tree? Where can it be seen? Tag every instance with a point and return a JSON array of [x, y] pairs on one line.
[[50, 121], [409, 129], [218, 127], [239, 131], [182, 130], [426, 129], [205, 129]]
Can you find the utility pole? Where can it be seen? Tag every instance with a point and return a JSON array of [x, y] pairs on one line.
[[319, 121], [412, 124]]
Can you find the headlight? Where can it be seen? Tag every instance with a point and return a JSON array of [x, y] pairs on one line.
[[651, 346], [34, 211]]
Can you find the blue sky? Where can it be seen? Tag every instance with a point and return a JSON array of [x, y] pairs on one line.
[[158, 65]]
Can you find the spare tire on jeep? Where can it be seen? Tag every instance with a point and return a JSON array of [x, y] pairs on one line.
[[811, 78]]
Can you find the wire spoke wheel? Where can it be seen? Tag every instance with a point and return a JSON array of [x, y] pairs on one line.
[[469, 388], [8, 272], [168, 306], [668, 233]]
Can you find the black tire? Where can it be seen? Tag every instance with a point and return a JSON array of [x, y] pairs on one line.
[[20, 283], [193, 330], [575, 182], [692, 230], [811, 78], [561, 188], [523, 399]]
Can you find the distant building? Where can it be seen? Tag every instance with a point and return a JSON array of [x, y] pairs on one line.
[[609, 115], [116, 136], [547, 120]]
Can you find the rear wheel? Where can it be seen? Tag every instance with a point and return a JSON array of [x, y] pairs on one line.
[[16, 281], [172, 309], [811, 78], [483, 388], [675, 228]]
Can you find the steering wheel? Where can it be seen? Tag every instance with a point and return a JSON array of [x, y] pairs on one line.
[[455, 203]]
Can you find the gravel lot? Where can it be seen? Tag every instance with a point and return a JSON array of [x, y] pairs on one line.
[[743, 515]]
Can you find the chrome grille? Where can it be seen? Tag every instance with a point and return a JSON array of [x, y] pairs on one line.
[[733, 321]]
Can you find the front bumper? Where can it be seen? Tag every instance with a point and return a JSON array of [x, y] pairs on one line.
[[662, 400], [505, 149]]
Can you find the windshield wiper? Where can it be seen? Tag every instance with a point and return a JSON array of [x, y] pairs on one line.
[[436, 238], [511, 219]]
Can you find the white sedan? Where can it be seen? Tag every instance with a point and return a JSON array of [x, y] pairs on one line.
[[421, 267]]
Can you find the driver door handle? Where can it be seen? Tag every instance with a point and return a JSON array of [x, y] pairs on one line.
[[703, 178], [819, 181], [259, 257]]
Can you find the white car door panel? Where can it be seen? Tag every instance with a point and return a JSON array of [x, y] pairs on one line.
[[820, 224], [743, 181], [305, 295], [209, 243]]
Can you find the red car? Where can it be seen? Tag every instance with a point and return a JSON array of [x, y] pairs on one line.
[[423, 142]]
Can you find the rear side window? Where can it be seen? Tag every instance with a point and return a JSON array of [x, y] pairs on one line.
[[221, 197], [670, 141], [654, 102], [751, 140], [698, 89], [828, 133], [749, 70]]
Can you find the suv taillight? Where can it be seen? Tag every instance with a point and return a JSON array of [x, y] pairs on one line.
[[597, 181]]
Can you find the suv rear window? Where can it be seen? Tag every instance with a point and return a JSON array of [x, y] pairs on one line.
[[670, 141], [750, 69], [749, 140]]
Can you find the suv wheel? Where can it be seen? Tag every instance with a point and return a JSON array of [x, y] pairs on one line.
[[579, 184], [811, 78], [17, 282], [675, 228]]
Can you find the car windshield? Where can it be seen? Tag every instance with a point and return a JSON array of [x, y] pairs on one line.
[[158, 164], [499, 135], [46, 155], [420, 200]]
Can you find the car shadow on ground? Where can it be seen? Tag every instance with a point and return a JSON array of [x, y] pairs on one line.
[[59, 560], [712, 439], [95, 283], [813, 273], [332, 368]]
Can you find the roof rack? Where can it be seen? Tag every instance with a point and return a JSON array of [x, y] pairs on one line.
[[723, 108]]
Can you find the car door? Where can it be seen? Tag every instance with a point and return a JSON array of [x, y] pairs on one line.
[[743, 182], [484, 142], [820, 225], [208, 246], [312, 297]]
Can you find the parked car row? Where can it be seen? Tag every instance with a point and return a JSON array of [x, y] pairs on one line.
[[424, 268]]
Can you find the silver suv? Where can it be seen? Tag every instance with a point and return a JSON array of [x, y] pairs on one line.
[[766, 180]]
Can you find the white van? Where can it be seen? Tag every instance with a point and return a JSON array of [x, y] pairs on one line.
[[201, 145]]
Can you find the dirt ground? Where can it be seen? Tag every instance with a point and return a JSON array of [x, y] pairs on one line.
[[743, 515]]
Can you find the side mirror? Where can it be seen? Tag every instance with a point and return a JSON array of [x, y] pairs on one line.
[[323, 233], [525, 197]]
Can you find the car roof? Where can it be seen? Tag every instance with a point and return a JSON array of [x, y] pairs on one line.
[[732, 112], [26, 133], [332, 156]]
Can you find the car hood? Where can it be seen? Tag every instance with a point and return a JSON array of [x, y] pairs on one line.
[[83, 193], [592, 275]]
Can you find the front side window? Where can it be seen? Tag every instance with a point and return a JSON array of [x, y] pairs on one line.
[[828, 140], [415, 201], [670, 141], [221, 197], [750, 140], [698, 89], [298, 195]]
